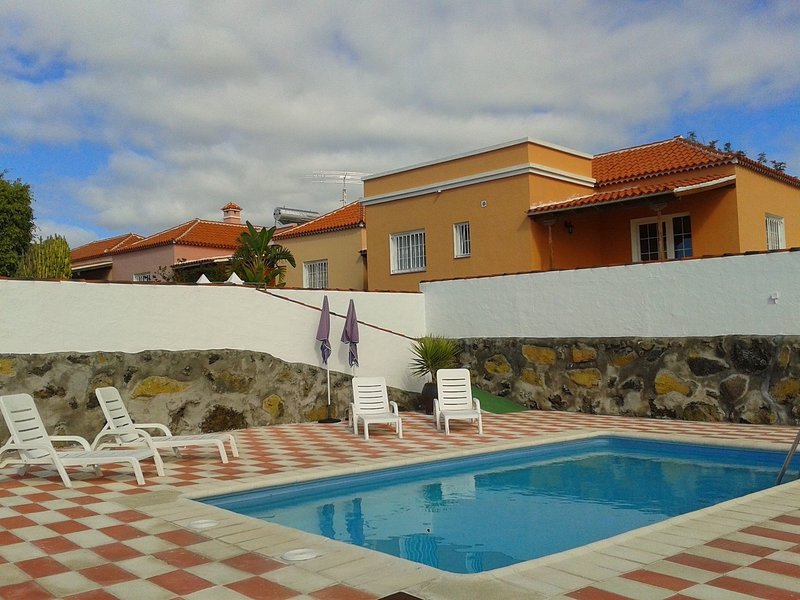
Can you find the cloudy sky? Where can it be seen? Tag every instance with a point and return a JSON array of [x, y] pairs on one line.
[[140, 115]]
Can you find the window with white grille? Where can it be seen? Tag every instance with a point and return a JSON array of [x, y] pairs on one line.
[[408, 251], [315, 274], [143, 277], [461, 244], [676, 238], [776, 233]]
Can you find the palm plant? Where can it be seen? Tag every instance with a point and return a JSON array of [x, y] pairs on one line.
[[432, 353], [257, 260]]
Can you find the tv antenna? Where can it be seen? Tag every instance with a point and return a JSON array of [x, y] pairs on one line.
[[342, 177]]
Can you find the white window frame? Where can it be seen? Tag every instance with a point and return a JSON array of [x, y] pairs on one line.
[[667, 230], [776, 232], [315, 274], [407, 252], [462, 246], [144, 276]]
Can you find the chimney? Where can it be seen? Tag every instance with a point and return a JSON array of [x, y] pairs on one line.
[[231, 213]]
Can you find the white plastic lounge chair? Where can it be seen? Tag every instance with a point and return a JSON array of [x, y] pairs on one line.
[[371, 405], [124, 432], [454, 399], [34, 447]]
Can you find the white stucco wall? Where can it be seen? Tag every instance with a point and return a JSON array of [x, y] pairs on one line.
[[38, 317], [703, 297]]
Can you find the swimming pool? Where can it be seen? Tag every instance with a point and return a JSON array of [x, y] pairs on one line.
[[480, 513]]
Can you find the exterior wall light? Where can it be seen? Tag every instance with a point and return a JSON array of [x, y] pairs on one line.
[[569, 227]]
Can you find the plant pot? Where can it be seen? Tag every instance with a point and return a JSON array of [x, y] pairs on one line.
[[429, 393]]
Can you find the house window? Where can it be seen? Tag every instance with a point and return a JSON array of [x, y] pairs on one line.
[[461, 245], [676, 237], [143, 277], [776, 233], [315, 274], [408, 251]]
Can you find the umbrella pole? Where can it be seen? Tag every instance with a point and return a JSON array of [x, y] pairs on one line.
[[329, 418]]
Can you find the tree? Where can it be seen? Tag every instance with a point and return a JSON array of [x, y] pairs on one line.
[[46, 259], [16, 223], [257, 260]]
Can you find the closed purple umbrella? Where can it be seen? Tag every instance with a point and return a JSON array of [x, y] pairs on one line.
[[323, 333], [350, 334]]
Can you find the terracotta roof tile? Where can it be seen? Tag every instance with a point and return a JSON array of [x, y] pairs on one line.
[[211, 234], [103, 247], [349, 216], [659, 158], [629, 193]]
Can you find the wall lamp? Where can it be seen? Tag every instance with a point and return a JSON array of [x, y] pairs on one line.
[[569, 227]]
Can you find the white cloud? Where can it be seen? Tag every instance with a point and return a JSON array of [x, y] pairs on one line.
[[205, 102]]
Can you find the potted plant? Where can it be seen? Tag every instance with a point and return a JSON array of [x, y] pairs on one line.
[[432, 353]]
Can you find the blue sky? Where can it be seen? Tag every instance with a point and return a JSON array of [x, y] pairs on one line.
[[137, 116]]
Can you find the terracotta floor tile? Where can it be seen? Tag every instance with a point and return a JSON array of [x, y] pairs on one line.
[[92, 595], [775, 534], [341, 592], [182, 583], [16, 522], [128, 516], [253, 563], [741, 547], [63, 527], [758, 590], [700, 562], [33, 507], [42, 567], [181, 558], [116, 552], [659, 580], [77, 512], [29, 590], [56, 545], [257, 588], [122, 532], [593, 593], [787, 519], [6, 538], [181, 537], [778, 567], [107, 574]]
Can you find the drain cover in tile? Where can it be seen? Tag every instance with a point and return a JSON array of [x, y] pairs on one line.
[[300, 554]]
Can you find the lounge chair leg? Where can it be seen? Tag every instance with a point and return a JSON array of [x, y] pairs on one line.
[[399, 428], [63, 473], [137, 469], [234, 448], [366, 431], [23, 470], [222, 454]]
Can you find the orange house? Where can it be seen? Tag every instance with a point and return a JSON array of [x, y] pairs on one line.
[[329, 250], [528, 205]]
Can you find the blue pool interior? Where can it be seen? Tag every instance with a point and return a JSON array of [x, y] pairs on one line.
[[483, 512]]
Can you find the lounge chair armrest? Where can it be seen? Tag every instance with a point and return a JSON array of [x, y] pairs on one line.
[[71, 438], [393, 406], [477, 404], [162, 428]]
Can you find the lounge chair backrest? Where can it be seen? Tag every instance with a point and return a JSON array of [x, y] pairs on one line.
[[454, 389], [370, 396], [115, 412], [25, 424]]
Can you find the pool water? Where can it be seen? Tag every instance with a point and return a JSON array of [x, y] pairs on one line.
[[481, 513]]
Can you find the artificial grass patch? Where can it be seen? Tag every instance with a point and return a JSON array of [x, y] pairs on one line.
[[495, 404]]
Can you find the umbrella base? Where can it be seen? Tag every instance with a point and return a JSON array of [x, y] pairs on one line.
[[329, 420]]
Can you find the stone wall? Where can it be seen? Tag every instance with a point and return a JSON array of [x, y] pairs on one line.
[[189, 391], [731, 378]]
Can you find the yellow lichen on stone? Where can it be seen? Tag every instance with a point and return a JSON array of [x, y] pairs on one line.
[[585, 377], [623, 360], [783, 357], [540, 355], [155, 385], [531, 377], [667, 382], [785, 389], [8, 366], [316, 413], [497, 365], [273, 405], [583, 354]]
